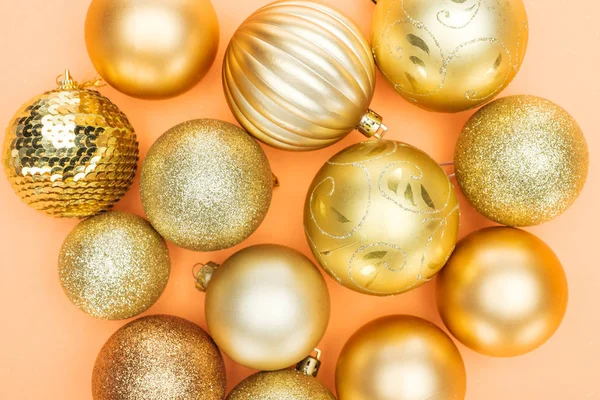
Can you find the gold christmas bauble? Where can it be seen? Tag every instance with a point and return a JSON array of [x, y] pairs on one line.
[[503, 293], [152, 49], [449, 56], [400, 357], [206, 185], [159, 357], [114, 266], [521, 160], [70, 152], [381, 217]]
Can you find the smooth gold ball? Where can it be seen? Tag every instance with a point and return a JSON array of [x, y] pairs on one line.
[[400, 357], [521, 160], [503, 293], [381, 217], [114, 266], [206, 185], [449, 56], [159, 357], [152, 49]]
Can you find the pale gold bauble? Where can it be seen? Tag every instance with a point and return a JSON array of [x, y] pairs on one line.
[[206, 185], [400, 358], [449, 56], [503, 293], [521, 160], [381, 217], [159, 357], [152, 49]]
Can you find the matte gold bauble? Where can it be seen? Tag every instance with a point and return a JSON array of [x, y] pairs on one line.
[[449, 56], [70, 152], [503, 293], [381, 217], [152, 49], [114, 266], [159, 357], [299, 75], [206, 185], [521, 160], [400, 358]]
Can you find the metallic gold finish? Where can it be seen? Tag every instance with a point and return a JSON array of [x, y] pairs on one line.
[[70, 152], [503, 293], [521, 160], [310, 365], [267, 307], [160, 358], [381, 217], [400, 357], [449, 55], [371, 125], [152, 49], [206, 185], [299, 75]]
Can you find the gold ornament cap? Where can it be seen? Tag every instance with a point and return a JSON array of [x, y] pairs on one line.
[[203, 274], [310, 365], [371, 125]]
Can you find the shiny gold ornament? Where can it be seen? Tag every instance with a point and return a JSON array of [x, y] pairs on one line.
[[521, 160], [299, 75], [206, 185], [114, 266], [152, 49], [381, 217], [449, 55], [70, 152], [159, 357], [400, 357], [503, 293], [267, 306]]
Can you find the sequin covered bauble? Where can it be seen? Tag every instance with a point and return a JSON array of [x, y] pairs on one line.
[[70, 152]]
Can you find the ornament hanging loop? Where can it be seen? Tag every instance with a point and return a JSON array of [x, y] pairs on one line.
[[310, 365], [371, 125], [65, 81], [203, 274], [448, 164]]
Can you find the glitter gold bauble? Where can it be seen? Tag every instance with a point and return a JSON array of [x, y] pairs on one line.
[[159, 357], [521, 160], [381, 217], [299, 75], [503, 292], [152, 49], [70, 152], [449, 55], [400, 357], [206, 185], [114, 266]]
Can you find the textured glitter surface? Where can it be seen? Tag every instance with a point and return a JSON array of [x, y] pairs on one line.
[[159, 357], [521, 160], [114, 266], [206, 185]]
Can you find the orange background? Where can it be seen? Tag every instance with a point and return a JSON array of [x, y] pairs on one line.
[[48, 347]]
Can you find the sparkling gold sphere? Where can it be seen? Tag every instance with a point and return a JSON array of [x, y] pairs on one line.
[[381, 217], [521, 160]]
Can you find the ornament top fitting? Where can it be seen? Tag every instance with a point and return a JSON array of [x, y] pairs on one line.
[[310, 365]]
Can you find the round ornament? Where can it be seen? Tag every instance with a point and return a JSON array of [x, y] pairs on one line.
[[449, 56], [206, 185], [114, 266], [70, 152], [381, 217], [159, 357], [152, 49], [503, 293], [299, 75], [521, 160], [400, 357]]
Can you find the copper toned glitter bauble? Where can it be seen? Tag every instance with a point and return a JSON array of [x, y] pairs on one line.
[[114, 265], [521, 160], [299, 75], [70, 152], [159, 357], [449, 55], [503, 293], [206, 185], [381, 217]]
